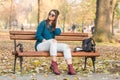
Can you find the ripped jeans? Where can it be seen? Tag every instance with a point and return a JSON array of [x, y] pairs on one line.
[[52, 46]]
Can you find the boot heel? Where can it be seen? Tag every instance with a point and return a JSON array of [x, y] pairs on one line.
[[51, 69]]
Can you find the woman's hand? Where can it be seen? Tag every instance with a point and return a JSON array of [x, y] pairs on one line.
[[44, 40], [54, 40], [57, 25]]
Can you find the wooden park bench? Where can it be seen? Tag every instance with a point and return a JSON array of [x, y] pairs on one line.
[[30, 35]]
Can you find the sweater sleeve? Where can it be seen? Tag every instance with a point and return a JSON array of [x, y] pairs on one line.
[[39, 31], [57, 31]]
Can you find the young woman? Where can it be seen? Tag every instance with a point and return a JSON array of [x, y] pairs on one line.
[[45, 35]]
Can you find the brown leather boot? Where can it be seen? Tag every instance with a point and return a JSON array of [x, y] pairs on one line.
[[54, 68], [71, 70]]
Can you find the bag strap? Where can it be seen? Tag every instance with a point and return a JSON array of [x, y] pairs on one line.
[[93, 41], [93, 44]]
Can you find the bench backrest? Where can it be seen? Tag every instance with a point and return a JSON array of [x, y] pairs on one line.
[[30, 35]]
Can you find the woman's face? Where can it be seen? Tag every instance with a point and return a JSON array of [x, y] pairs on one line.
[[52, 16]]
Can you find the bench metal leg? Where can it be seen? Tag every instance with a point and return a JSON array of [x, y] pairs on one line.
[[93, 61], [21, 60], [85, 63], [14, 64]]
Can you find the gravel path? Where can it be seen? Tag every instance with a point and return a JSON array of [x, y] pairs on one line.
[[92, 76]]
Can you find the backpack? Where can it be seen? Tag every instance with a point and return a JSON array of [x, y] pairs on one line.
[[88, 45]]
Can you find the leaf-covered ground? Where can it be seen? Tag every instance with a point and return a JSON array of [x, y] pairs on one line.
[[107, 63]]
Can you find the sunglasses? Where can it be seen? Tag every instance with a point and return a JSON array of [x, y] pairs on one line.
[[51, 14]]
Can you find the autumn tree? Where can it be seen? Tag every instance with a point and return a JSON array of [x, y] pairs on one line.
[[6, 12], [104, 19]]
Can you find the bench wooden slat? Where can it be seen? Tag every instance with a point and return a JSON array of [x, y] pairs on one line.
[[61, 38], [60, 54], [74, 34], [22, 37], [22, 32], [70, 38], [33, 33]]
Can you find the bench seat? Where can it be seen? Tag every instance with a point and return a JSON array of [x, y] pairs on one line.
[[60, 54]]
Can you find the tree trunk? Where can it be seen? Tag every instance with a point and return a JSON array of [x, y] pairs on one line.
[[38, 11], [10, 17], [104, 19], [112, 7]]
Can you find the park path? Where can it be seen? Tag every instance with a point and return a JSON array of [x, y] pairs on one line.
[[50, 76]]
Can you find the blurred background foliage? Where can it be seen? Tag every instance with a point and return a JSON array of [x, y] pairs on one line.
[[14, 13], [26, 14]]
